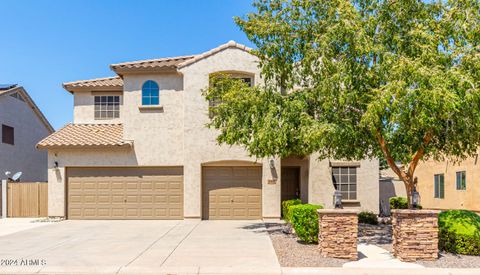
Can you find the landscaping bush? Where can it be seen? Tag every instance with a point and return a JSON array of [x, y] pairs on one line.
[[367, 217], [398, 203], [285, 208], [304, 219], [459, 232]]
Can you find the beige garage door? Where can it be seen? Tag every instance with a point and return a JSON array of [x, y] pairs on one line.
[[232, 193], [125, 193]]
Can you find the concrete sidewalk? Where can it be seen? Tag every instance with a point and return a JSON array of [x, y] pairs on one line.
[[13, 225]]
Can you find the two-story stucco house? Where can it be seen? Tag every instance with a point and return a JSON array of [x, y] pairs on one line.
[[139, 149], [22, 126]]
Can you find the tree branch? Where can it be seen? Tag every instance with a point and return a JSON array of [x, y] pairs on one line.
[[421, 151], [391, 162]]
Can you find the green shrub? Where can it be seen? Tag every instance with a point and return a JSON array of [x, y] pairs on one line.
[[285, 208], [367, 217], [398, 203], [459, 232], [304, 219]]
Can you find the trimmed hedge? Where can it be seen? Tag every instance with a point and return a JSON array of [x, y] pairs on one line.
[[459, 232], [285, 208], [304, 219], [398, 203], [367, 217]]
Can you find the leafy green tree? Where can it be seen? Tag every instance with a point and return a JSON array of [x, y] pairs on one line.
[[397, 80]]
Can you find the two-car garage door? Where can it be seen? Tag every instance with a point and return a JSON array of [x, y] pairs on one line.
[[125, 193]]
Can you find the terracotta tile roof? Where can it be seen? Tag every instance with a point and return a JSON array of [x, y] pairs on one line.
[[152, 64], [86, 135], [112, 82], [230, 44]]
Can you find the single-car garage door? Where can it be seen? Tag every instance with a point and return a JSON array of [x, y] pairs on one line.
[[125, 193], [232, 193]]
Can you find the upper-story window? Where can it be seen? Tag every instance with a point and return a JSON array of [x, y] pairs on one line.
[[214, 102], [8, 136], [150, 93], [107, 107]]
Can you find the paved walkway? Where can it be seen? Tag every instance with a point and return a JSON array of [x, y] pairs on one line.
[[372, 256]]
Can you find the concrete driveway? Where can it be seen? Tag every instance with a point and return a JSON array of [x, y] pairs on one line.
[[140, 247]]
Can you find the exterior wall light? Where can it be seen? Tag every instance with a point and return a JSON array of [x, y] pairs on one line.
[[272, 163], [415, 196], [337, 199]]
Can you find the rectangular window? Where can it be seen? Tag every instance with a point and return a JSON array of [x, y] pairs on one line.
[[107, 107], [439, 186], [462, 180], [213, 103], [8, 135], [345, 181]]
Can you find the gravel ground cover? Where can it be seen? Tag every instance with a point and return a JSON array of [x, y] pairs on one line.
[[293, 253]]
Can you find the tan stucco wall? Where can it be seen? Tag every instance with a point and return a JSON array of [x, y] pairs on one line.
[[321, 189], [176, 136], [454, 199], [28, 130], [157, 134], [200, 144]]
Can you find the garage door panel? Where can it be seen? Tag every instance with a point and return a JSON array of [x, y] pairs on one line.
[[232, 192], [125, 197]]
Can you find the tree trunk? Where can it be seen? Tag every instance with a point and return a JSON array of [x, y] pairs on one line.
[[409, 190]]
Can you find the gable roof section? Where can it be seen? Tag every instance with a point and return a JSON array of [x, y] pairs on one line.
[[230, 44], [31, 103], [86, 136], [166, 64], [161, 64], [114, 83], [172, 63]]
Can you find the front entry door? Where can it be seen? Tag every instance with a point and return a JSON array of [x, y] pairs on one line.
[[290, 183]]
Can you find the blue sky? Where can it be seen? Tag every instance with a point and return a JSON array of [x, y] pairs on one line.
[[46, 43]]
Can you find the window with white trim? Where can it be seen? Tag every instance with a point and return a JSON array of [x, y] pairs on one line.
[[107, 107], [345, 181]]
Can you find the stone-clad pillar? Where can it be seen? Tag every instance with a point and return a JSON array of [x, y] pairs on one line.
[[415, 234], [338, 233]]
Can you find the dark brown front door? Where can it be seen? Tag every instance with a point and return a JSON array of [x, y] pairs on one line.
[[290, 183]]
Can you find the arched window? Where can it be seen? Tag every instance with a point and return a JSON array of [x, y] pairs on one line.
[[150, 93]]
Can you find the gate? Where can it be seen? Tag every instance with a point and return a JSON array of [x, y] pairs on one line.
[[27, 199]]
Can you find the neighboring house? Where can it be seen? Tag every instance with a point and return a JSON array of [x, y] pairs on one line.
[[448, 185], [390, 186], [22, 126], [138, 148]]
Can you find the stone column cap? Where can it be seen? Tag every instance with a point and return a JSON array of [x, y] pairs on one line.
[[415, 211], [338, 211]]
